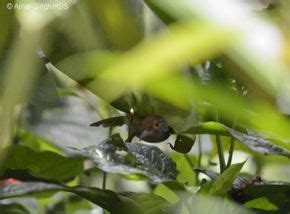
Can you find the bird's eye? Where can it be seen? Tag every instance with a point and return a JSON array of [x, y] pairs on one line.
[[156, 125]]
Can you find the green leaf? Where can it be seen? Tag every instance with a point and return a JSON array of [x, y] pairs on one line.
[[104, 198], [13, 209], [165, 192], [261, 203], [112, 155], [183, 143], [109, 200], [151, 203], [184, 165], [250, 139], [44, 164], [44, 95], [224, 182], [36, 143], [213, 128]]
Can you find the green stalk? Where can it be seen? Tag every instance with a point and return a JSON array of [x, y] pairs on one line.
[[199, 155], [220, 149], [220, 154], [231, 152]]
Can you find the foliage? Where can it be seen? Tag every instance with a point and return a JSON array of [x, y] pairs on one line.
[[215, 72]]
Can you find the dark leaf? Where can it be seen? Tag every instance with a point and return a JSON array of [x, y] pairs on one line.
[[114, 156], [13, 209], [111, 122], [160, 12], [183, 143], [266, 188], [104, 198], [112, 202]]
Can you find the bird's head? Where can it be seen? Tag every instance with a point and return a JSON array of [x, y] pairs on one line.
[[154, 129]]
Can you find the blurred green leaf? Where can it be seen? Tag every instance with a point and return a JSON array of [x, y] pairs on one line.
[[189, 42], [166, 192], [36, 143], [104, 198], [224, 182], [210, 127], [44, 95], [151, 203], [109, 200], [261, 203], [44, 164], [13, 209]]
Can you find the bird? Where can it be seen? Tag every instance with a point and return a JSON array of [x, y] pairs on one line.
[[151, 128]]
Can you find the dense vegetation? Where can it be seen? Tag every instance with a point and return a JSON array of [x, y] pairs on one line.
[[213, 74]]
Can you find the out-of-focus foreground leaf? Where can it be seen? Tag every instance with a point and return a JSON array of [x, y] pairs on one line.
[[13, 209], [114, 156], [112, 202], [43, 164]]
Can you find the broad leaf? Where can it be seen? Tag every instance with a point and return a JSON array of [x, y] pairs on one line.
[[261, 203], [104, 198], [151, 203], [114, 156], [245, 189], [250, 139], [259, 144], [111, 122], [224, 182], [209, 128], [13, 209], [44, 95], [112, 202], [183, 143], [44, 164]]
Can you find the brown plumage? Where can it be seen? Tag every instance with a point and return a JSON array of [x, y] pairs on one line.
[[151, 128]]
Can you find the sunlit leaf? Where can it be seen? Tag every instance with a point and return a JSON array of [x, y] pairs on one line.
[[261, 203], [224, 182]]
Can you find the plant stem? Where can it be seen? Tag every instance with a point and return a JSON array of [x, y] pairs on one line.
[[220, 149], [220, 154], [104, 186], [231, 152], [199, 155], [104, 180]]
